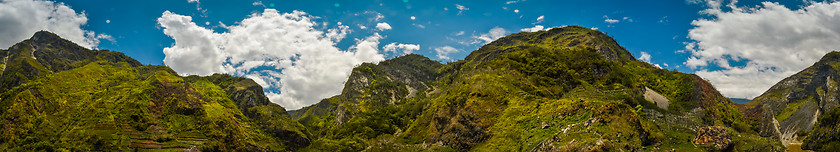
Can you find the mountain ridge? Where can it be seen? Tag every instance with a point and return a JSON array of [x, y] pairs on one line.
[[564, 89], [58, 96], [791, 109], [494, 98]]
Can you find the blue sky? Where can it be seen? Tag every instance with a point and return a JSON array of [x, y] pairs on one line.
[[726, 42], [134, 27]]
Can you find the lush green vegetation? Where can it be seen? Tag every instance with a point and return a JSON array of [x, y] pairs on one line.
[[825, 137], [565, 89], [89, 100], [568, 89], [111, 106]]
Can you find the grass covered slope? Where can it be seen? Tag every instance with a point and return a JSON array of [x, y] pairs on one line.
[[46, 53], [566, 89], [114, 105], [376, 100]]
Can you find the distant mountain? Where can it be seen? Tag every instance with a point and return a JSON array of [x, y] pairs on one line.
[[740, 100], [58, 96], [564, 89], [803, 105]]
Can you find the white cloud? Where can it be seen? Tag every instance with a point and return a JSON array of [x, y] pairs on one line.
[[516, 1], [609, 20], [491, 36], [540, 19], [258, 3], [418, 25], [443, 52], [20, 19], [375, 16], [288, 52], [516, 11], [628, 19], [773, 41], [192, 1], [378, 16], [459, 33], [106, 37], [383, 26], [413, 18], [406, 48], [533, 29], [645, 57], [107, 21], [461, 8]]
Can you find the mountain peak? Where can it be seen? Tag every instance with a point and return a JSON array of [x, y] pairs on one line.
[[44, 35], [833, 56], [563, 37]]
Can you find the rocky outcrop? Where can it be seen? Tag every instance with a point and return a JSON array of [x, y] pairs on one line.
[[252, 102], [790, 109], [656, 98], [715, 136]]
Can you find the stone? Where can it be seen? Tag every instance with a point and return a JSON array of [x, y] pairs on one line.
[[715, 136]]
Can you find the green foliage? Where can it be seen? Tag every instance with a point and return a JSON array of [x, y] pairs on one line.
[[826, 133], [791, 108], [112, 106], [567, 89]]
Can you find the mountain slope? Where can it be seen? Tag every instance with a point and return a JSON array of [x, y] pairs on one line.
[[46, 53], [566, 89], [71, 98], [790, 109]]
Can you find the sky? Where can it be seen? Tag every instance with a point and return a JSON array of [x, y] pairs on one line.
[[303, 51]]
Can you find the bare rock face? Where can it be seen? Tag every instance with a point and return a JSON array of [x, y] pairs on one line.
[[790, 109], [715, 136]]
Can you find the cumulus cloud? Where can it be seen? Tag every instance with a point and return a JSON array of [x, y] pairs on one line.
[[645, 57], [413, 18], [289, 52], [383, 26], [443, 52], [19, 19], [516, 11], [406, 48], [461, 8], [533, 29], [772, 40], [492, 35]]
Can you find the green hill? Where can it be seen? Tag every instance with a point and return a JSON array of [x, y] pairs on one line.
[[59, 96], [565, 89]]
